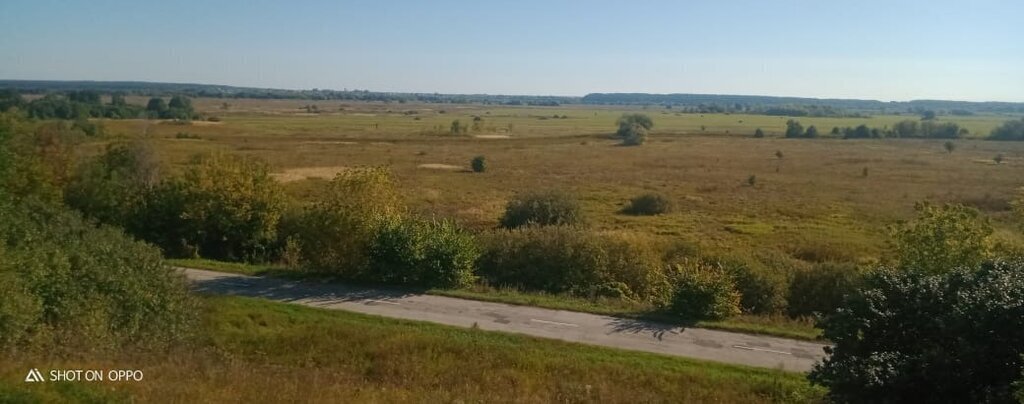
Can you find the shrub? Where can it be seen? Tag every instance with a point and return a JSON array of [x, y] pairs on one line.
[[941, 238], [633, 128], [820, 290], [574, 261], [223, 207], [912, 336], [1009, 130], [794, 129], [758, 133], [762, 289], [542, 208], [704, 291], [423, 253], [336, 231], [479, 164], [70, 285], [112, 187], [649, 204]]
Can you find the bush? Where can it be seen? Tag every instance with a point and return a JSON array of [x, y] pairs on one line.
[[112, 187], [914, 336], [649, 204], [542, 208], [1009, 130], [794, 129], [633, 128], [704, 291], [762, 289], [942, 238], [479, 164], [423, 253], [820, 290], [222, 207], [69, 285], [758, 133], [574, 261], [336, 231]]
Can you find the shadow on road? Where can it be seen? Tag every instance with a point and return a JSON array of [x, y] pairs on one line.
[[289, 291], [639, 326]]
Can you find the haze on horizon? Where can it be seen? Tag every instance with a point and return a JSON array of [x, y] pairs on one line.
[[954, 50]]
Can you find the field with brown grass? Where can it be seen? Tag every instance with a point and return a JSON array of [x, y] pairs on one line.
[[811, 199]]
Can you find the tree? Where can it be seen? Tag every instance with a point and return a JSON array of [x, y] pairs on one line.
[[10, 99], [758, 133], [812, 132], [456, 127], [223, 206], [112, 187], [479, 164], [928, 115], [949, 146], [633, 128], [156, 105], [1009, 130], [911, 335], [794, 129], [941, 238]]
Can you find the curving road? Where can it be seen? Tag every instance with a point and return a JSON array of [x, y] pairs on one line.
[[638, 335]]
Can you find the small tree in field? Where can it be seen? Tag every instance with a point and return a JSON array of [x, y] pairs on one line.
[[812, 132], [479, 164], [794, 129], [949, 146], [633, 128], [759, 133]]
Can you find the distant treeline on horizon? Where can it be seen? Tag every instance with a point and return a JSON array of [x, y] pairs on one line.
[[693, 103]]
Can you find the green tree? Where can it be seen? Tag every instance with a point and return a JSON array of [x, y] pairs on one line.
[[812, 132], [633, 128], [337, 230], [1009, 130], [919, 336], [423, 253], [794, 129], [479, 164], [949, 146], [759, 133], [112, 187], [156, 105], [941, 238], [223, 206]]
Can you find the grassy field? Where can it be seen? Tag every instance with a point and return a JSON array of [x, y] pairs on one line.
[[252, 350], [822, 193]]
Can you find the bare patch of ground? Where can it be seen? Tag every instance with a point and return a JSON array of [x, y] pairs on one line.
[[492, 136], [299, 174], [437, 166]]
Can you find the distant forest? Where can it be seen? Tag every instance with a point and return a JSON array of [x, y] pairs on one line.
[[689, 103]]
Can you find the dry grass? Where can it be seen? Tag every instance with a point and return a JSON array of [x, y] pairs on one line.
[[304, 173], [255, 351]]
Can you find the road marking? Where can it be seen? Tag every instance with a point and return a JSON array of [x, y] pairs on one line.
[[553, 323], [382, 301], [750, 348]]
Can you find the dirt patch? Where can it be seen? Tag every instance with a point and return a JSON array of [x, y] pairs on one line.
[[436, 166], [299, 174], [206, 123], [492, 136], [327, 142]]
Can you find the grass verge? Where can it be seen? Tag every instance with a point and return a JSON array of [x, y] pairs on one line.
[[778, 326], [256, 350]]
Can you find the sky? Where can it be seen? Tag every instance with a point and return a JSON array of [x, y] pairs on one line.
[[886, 50]]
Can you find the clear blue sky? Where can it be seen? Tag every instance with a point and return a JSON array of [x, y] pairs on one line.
[[888, 50]]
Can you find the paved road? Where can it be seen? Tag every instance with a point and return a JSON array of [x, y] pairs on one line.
[[713, 345]]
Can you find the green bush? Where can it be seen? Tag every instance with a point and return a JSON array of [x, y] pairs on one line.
[[915, 336], [942, 238], [423, 253], [762, 289], [704, 291], [561, 259], [542, 208], [649, 204], [479, 164], [67, 284], [820, 290], [336, 231], [222, 207], [112, 187]]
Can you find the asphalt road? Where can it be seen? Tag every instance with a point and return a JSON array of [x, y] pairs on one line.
[[630, 334]]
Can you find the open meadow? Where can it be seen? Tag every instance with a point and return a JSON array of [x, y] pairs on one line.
[[825, 199]]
